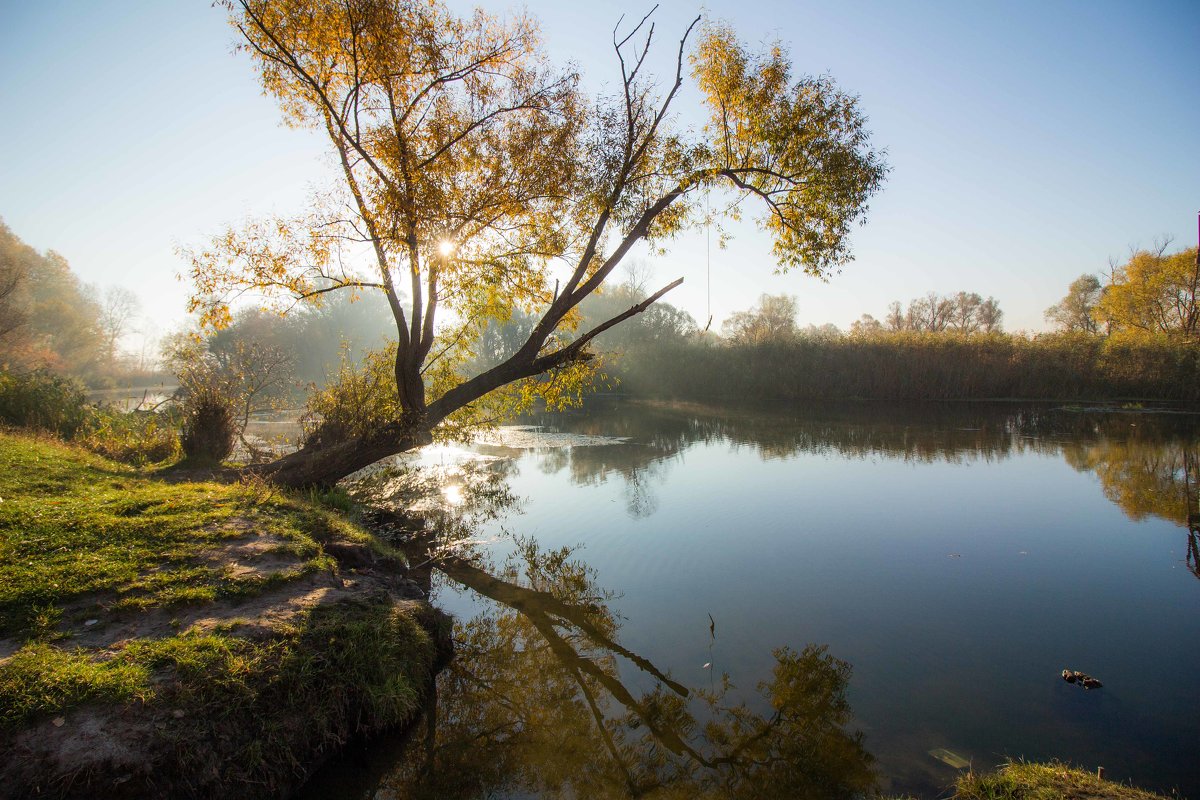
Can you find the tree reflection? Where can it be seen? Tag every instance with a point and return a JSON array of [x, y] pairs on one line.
[[543, 699], [1193, 550], [1142, 478], [925, 433], [656, 436], [535, 703], [1147, 464], [1147, 475]]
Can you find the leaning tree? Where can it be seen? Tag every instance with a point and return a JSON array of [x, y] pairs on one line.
[[478, 179]]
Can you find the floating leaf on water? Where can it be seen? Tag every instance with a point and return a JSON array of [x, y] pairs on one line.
[[954, 555], [89, 623], [58, 722], [951, 758], [707, 664]]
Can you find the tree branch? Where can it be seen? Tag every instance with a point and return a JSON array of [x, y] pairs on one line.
[[572, 351], [521, 365]]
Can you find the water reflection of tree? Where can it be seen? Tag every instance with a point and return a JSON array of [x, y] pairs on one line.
[[638, 467], [1145, 475], [535, 702], [541, 698], [1144, 478], [640, 463], [658, 434]]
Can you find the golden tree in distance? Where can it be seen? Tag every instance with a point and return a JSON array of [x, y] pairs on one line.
[[1154, 293], [481, 180]]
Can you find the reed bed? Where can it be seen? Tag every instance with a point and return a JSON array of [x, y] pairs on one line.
[[919, 366]]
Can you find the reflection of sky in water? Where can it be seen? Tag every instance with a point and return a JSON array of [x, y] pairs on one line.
[[843, 533], [534, 437]]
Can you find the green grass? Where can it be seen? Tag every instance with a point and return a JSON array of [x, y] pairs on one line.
[[1053, 781], [74, 526], [82, 537], [336, 672], [43, 679]]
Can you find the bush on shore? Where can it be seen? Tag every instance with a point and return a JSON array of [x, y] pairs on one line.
[[209, 430], [43, 401]]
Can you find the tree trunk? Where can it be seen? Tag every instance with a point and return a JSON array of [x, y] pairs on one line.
[[321, 466]]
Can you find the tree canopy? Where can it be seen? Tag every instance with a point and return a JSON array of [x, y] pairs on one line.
[[1076, 311], [964, 312], [1154, 292], [47, 319], [772, 320], [479, 180]]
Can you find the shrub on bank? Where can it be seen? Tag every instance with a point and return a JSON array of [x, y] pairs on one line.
[[209, 430], [43, 401]]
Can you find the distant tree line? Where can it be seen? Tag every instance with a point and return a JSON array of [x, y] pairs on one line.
[[1139, 325], [936, 347], [916, 366], [1154, 293], [50, 320], [306, 346], [964, 312]]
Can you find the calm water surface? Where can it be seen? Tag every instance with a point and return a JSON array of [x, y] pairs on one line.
[[624, 579]]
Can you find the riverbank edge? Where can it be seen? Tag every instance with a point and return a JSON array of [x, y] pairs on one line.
[[242, 696], [1053, 780]]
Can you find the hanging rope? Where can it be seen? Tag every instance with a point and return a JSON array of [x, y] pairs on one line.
[[708, 259]]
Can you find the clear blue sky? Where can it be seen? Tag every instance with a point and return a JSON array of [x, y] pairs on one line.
[[1030, 141]]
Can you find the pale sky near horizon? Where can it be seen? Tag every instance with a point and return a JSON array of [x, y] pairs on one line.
[[1030, 142]]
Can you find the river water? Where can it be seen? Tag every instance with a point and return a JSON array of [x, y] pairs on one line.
[[686, 601]]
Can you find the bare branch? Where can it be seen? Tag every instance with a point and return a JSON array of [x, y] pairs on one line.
[[576, 347]]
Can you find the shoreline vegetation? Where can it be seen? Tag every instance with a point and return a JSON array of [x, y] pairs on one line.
[[1021, 780], [915, 366], [165, 635]]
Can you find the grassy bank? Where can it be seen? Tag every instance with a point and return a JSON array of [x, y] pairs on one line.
[[162, 636], [917, 366], [1054, 781]]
